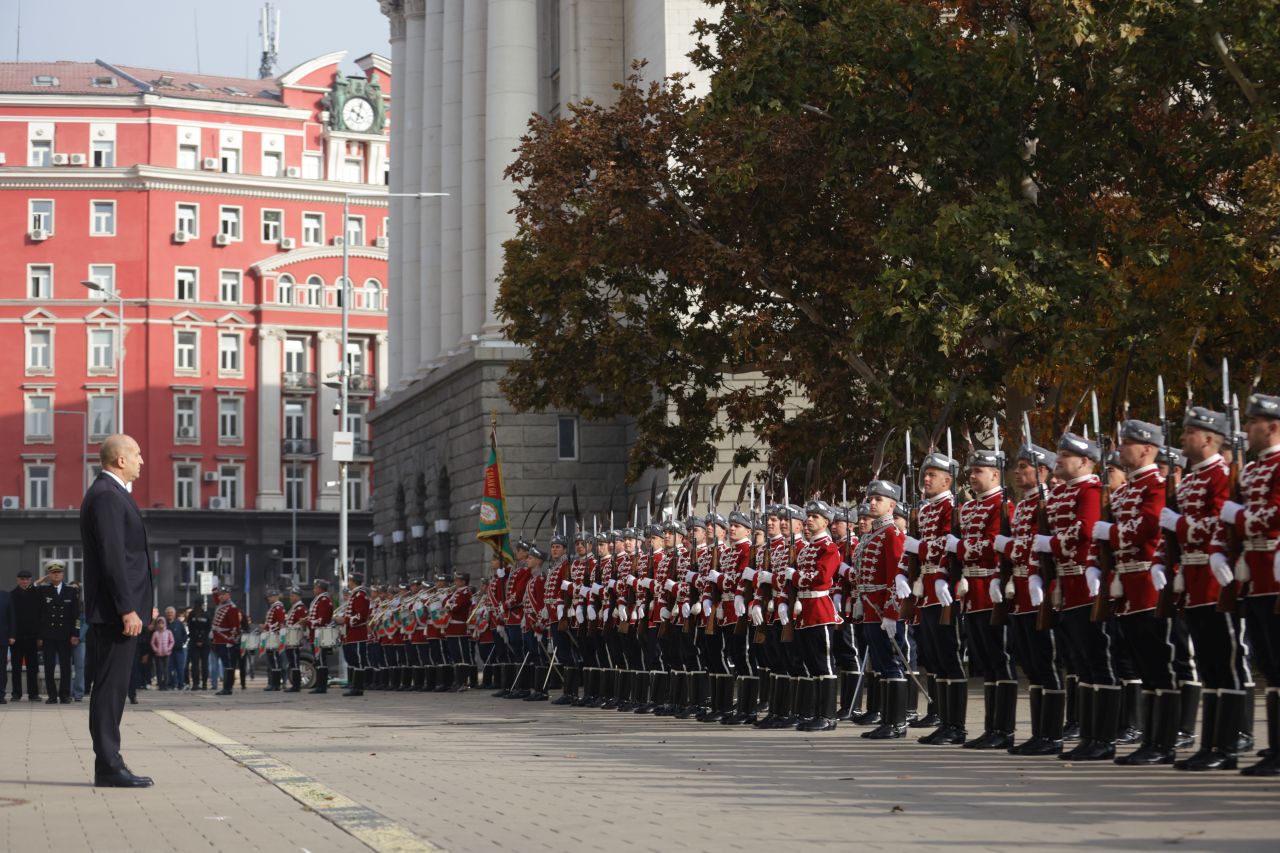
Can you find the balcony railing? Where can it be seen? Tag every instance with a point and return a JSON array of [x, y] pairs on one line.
[[299, 381], [362, 383], [298, 447], [363, 447]]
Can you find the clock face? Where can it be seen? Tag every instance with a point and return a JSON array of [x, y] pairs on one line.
[[357, 115]]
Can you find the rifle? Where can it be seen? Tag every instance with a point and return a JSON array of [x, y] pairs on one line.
[[766, 595], [1167, 600], [1105, 558], [1229, 597], [907, 610], [846, 551], [1048, 568], [955, 568], [1000, 609], [710, 628], [793, 589], [749, 591]]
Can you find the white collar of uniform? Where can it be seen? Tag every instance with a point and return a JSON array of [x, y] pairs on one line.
[[882, 521], [743, 539], [1269, 452], [1143, 471], [1082, 479], [1200, 466], [939, 497], [128, 487], [817, 540], [988, 493]]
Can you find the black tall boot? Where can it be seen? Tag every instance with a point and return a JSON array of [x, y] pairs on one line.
[[536, 692], [660, 693], [589, 687], [504, 679], [933, 710], [356, 687], [825, 719], [944, 732], [1085, 694], [871, 716], [1218, 744], [444, 678], [617, 689], [780, 703], [1132, 713], [1191, 693], [745, 712], [229, 681], [845, 685], [1270, 763], [1071, 726], [322, 680], [894, 701], [1159, 732], [1106, 722], [714, 712], [805, 707], [636, 682], [1004, 717], [763, 692], [644, 702], [521, 686], [295, 681], [461, 677], [1052, 712], [675, 698], [572, 676], [1244, 743], [1035, 696], [626, 687], [988, 718]]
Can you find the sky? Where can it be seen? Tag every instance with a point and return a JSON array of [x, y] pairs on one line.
[[209, 36]]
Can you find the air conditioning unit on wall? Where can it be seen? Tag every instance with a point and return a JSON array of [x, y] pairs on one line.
[[217, 503], [10, 502]]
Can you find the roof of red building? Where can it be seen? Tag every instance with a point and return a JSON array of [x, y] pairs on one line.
[[103, 78]]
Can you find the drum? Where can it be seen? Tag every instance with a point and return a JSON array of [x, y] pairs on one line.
[[327, 636], [294, 636], [249, 642]]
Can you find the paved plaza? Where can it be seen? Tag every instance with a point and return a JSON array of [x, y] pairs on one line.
[[421, 772]]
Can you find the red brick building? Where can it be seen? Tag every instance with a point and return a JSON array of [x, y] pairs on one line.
[[213, 206]]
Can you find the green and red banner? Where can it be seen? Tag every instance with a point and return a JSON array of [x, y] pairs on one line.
[[494, 530]]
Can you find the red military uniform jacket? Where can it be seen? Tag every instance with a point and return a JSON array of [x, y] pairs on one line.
[[603, 597], [733, 559], [459, 606], [875, 565], [579, 579], [357, 615], [226, 625], [979, 526], [1203, 490], [275, 617], [934, 521], [1258, 524], [624, 581], [771, 577], [533, 603], [297, 614], [1021, 553], [816, 567], [660, 573], [1073, 508], [1135, 534], [319, 614], [557, 584], [517, 584]]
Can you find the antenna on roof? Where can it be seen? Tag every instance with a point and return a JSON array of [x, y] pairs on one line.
[[269, 29]]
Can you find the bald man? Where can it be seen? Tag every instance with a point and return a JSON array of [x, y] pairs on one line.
[[117, 588]]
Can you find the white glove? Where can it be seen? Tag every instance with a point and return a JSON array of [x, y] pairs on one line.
[[1002, 542], [748, 574], [706, 607], [1010, 589], [713, 576], [1093, 578], [591, 613], [943, 592], [1102, 530], [645, 583], [901, 588], [642, 609], [953, 543], [1275, 567], [1117, 586], [962, 587], [789, 572], [784, 616], [1221, 568], [917, 588], [1035, 588], [912, 546], [1169, 519], [1158, 577], [844, 569], [622, 613], [613, 582], [684, 610], [583, 590], [595, 588], [565, 586], [1043, 544], [996, 596], [739, 606], [502, 573], [1179, 583], [836, 600], [889, 626], [757, 615], [689, 576], [559, 611], [765, 577], [799, 608], [667, 586], [665, 614], [1230, 509], [855, 612], [580, 613]]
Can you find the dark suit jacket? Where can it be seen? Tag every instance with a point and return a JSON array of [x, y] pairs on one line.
[[117, 563], [8, 620], [59, 613]]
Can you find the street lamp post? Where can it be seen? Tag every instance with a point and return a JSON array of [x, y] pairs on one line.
[[98, 287]]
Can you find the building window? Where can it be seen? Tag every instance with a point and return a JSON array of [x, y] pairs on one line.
[[188, 156], [295, 487], [313, 290], [357, 494], [295, 566], [188, 220], [295, 421], [229, 286], [185, 490], [272, 164], [39, 417], [311, 166], [312, 229], [355, 418], [186, 419], [341, 288], [372, 295], [355, 230], [355, 358], [105, 276], [72, 556], [186, 284], [229, 222], [41, 215], [40, 153], [229, 485], [40, 282], [295, 355], [103, 218], [567, 434], [102, 417], [229, 409], [284, 289], [271, 224], [353, 170], [194, 559], [230, 160], [228, 352], [185, 352], [39, 350], [39, 487], [102, 350], [104, 153]]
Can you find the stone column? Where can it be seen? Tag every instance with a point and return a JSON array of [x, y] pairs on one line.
[[270, 414], [471, 194], [511, 96], [395, 271], [328, 357], [451, 331], [429, 230], [380, 361], [409, 155]]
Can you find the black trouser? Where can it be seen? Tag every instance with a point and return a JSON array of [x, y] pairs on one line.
[[566, 654], [672, 648], [784, 658], [816, 647], [276, 660], [113, 660], [630, 646], [1036, 651], [690, 654], [458, 649], [24, 652], [292, 654], [613, 647], [844, 647], [229, 656], [884, 660], [57, 652], [1220, 651], [436, 653], [356, 654], [1090, 646], [590, 646], [989, 648], [735, 645], [650, 651], [1264, 635], [1151, 645], [199, 660], [941, 644]]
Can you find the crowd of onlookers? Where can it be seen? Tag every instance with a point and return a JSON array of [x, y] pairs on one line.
[[41, 619]]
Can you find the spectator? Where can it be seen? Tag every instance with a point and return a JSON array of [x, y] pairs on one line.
[[141, 663], [78, 679], [161, 648], [198, 626], [178, 661], [7, 625], [26, 606], [59, 631]]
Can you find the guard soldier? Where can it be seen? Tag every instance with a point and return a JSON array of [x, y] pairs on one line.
[[393, 639], [226, 637], [769, 612], [717, 605], [534, 673], [815, 613], [653, 568], [297, 621], [439, 673], [695, 561], [557, 595], [26, 608], [515, 586], [355, 641], [320, 615], [737, 562], [415, 615], [59, 630], [274, 623], [581, 574], [844, 642], [455, 632], [875, 569], [1255, 522], [672, 572]]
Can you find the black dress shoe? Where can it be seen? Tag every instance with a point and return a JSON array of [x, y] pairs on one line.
[[121, 778], [66, 701], [52, 700], [133, 700]]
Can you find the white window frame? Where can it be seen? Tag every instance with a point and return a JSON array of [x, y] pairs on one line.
[[313, 166], [45, 157], [34, 437], [193, 273], [225, 438], [195, 162], [106, 147], [235, 233], [194, 482], [230, 159], [46, 221], [303, 420], [357, 408], [107, 405], [234, 354], [357, 488], [222, 286], [28, 485], [181, 208], [107, 282], [350, 163], [286, 289], [178, 367], [307, 238], [313, 292], [210, 558], [33, 369], [179, 415], [273, 156], [301, 351], [358, 221], [302, 486], [279, 225], [31, 273], [227, 483], [72, 556], [95, 218], [92, 363]]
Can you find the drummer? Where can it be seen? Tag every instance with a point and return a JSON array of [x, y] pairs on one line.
[[226, 637], [273, 631], [319, 617], [295, 632]]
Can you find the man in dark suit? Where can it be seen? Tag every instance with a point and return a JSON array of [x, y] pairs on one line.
[[8, 622], [59, 631], [117, 588], [26, 609]]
